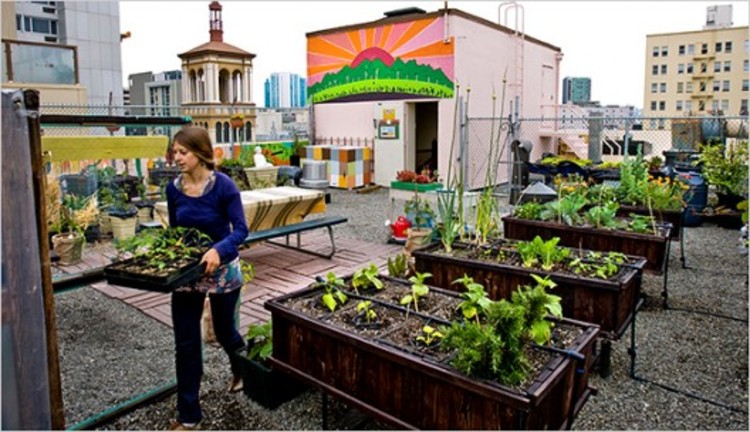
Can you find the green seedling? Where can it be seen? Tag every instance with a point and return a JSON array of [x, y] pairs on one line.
[[365, 307], [333, 296], [418, 290], [430, 336], [366, 277], [475, 298]]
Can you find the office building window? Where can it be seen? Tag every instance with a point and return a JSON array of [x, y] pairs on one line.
[[36, 25], [717, 85], [653, 105], [745, 85], [743, 107], [691, 49], [702, 87], [718, 47], [725, 105], [714, 105], [701, 106], [727, 66], [746, 66], [689, 68], [747, 46], [664, 51], [681, 68], [717, 66], [663, 87], [655, 53], [680, 87], [689, 87], [654, 87], [662, 105], [681, 50], [678, 106], [704, 67], [688, 105], [728, 47], [725, 85], [663, 69], [655, 70], [704, 48]]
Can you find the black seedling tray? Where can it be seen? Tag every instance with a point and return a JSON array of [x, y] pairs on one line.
[[186, 274]]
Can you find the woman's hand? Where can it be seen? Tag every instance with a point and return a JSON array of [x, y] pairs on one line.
[[212, 260]]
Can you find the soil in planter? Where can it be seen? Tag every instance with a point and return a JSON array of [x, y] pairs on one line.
[[387, 319], [404, 338], [393, 293], [310, 305]]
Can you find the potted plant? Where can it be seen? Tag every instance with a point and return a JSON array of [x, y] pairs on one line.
[[144, 204], [235, 169], [237, 120], [298, 147], [261, 383], [410, 180], [726, 169], [70, 220], [123, 215], [422, 218]]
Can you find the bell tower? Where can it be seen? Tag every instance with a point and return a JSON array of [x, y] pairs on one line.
[[215, 24]]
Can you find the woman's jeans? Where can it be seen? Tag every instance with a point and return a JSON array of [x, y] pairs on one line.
[[187, 308]]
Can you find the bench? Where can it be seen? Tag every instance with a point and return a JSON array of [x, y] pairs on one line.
[[298, 228]]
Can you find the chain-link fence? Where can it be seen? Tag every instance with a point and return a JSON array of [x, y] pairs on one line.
[[489, 139]]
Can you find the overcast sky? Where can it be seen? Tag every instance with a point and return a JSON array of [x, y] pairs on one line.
[[603, 40]]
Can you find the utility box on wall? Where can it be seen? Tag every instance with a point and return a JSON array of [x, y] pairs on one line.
[[349, 167]]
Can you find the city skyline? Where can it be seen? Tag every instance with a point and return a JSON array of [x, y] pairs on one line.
[[615, 31]]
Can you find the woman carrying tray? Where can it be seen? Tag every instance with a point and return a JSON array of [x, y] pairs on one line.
[[209, 201]]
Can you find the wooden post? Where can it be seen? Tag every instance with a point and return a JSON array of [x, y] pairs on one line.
[[26, 379]]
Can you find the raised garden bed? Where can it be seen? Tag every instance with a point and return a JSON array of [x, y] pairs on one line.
[[655, 248], [610, 303], [411, 387]]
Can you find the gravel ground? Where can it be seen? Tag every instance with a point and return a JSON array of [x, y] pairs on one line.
[[110, 353]]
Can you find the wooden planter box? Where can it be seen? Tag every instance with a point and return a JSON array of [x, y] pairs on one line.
[[419, 187], [654, 248], [414, 392], [675, 217], [609, 304]]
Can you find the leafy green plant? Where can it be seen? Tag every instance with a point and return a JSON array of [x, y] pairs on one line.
[[366, 277], [537, 303], [430, 336], [531, 210], [333, 295], [475, 301], [727, 169], [159, 248], [421, 211], [565, 209], [364, 307], [75, 214], [260, 341], [633, 180], [642, 224], [538, 250], [418, 290], [487, 212], [398, 267], [603, 216]]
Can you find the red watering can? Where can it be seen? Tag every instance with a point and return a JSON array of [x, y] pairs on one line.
[[399, 227]]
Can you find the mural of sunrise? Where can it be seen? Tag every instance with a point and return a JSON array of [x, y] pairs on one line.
[[408, 58]]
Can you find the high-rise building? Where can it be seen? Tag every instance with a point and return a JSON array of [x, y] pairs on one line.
[[698, 72], [77, 41], [285, 90], [576, 90]]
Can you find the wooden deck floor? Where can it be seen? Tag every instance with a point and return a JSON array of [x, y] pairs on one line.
[[278, 271]]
